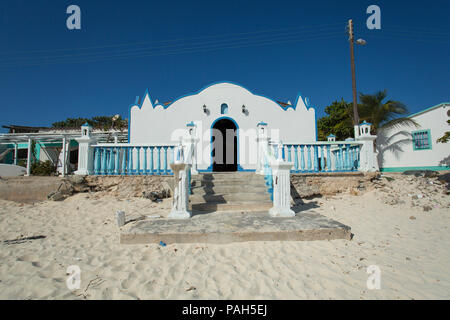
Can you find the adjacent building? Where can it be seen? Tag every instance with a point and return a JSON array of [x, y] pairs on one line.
[[410, 148]]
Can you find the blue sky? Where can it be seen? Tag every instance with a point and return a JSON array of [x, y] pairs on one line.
[[273, 48]]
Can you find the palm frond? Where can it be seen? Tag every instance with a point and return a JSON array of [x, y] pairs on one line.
[[399, 123]]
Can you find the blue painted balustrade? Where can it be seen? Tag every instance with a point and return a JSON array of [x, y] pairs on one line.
[[322, 156], [117, 159], [268, 178]]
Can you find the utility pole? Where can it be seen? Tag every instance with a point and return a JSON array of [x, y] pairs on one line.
[[352, 58]]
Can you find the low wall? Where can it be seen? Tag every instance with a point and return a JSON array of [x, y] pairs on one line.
[[310, 185], [33, 189]]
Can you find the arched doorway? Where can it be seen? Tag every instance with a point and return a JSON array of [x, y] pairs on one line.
[[224, 146]]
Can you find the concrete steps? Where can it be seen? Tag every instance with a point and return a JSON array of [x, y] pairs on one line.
[[236, 191]]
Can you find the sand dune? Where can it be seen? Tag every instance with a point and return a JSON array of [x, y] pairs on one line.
[[391, 230]]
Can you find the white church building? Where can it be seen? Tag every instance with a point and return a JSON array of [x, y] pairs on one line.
[[226, 114], [226, 127]]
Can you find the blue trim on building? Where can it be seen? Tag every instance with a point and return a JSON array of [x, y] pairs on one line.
[[429, 109], [139, 105]]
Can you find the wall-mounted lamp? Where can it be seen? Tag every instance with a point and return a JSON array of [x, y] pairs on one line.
[[205, 110], [244, 110]]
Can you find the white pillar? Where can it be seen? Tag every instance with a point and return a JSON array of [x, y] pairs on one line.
[[85, 155], [262, 145], [181, 191], [29, 157], [367, 156], [64, 152], [281, 172], [85, 151], [356, 131], [15, 153], [263, 149]]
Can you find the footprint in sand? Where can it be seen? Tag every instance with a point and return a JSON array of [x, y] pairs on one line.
[[27, 258]]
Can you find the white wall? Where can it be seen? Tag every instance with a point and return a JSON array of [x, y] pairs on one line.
[[399, 152], [151, 123]]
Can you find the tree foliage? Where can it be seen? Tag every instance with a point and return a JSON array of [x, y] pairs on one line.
[[383, 114], [99, 122], [446, 137], [372, 108], [338, 121]]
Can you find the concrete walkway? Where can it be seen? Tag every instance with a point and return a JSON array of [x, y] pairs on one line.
[[226, 227]]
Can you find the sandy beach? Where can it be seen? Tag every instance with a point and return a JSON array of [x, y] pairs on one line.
[[400, 225]]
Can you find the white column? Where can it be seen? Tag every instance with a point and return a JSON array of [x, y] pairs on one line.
[[181, 191], [64, 156], [367, 156], [190, 156], [281, 172], [356, 131], [263, 148], [15, 153], [29, 157], [85, 156]]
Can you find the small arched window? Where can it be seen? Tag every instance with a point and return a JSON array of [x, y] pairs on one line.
[[224, 109]]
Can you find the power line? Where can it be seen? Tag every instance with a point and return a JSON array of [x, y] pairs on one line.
[[263, 37], [174, 40], [189, 50]]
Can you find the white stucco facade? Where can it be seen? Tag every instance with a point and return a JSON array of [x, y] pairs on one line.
[[152, 122], [398, 151]]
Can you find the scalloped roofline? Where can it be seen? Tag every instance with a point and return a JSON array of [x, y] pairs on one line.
[[293, 106]]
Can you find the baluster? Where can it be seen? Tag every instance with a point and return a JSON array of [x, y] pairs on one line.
[[341, 164], [124, 161], [349, 158], [316, 159], [103, 157], [328, 158], [144, 169], [172, 151], [130, 160], [358, 157], [109, 170], [344, 155], [322, 159], [296, 158], [116, 161], [112, 161], [302, 151], [308, 150], [96, 161], [165, 160], [106, 155], [351, 161], [151, 160], [158, 160], [106, 161], [138, 160]]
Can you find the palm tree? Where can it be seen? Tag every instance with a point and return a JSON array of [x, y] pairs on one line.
[[383, 115]]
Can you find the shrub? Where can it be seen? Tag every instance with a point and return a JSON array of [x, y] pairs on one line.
[[43, 168]]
